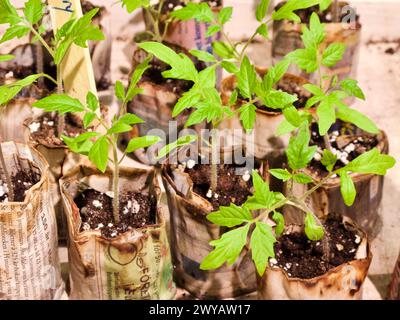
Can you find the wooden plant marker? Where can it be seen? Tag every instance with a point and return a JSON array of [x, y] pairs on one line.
[[77, 69]]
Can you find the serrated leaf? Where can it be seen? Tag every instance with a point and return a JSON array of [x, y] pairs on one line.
[[333, 54], [347, 114], [261, 10], [98, 154], [263, 30], [141, 142], [287, 10], [212, 30], [182, 141], [347, 189], [225, 15], [15, 31], [324, 4], [231, 216], [326, 116], [277, 99], [199, 11], [223, 50], [315, 90], [305, 59], [292, 116], [246, 78], [33, 11], [302, 178], [119, 90], [132, 5], [248, 116], [328, 160], [351, 87], [281, 174], [188, 100], [60, 103], [203, 55], [88, 118], [119, 127], [280, 223], [92, 101], [8, 14], [262, 246], [230, 67], [233, 98], [313, 231], [315, 35], [284, 128], [371, 162], [136, 76], [227, 248], [6, 57], [130, 119]]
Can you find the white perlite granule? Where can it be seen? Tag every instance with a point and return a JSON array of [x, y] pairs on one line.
[[34, 127], [97, 204]]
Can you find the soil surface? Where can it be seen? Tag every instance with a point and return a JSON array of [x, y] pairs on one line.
[[44, 129], [305, 259], [347, 143], [22, 181], [325, 16], [171, 5], [136, 211], [231, 188], [157, 67]]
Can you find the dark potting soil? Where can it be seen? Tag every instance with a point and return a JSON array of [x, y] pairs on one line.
[[305, 259], [22, 181], [96, 209], [231, 188], [347, 143], [171, 5], [45, 130], [325, 16], [154, 73]]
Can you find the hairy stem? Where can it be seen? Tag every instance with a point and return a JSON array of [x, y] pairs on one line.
[[39, 62], [115, 184], [61, 118], [214, 160]]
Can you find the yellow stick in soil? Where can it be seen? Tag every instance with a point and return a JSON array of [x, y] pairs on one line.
[[76, 69]]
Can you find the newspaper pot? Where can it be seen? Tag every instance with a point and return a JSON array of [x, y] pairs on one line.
[[29, 265], [287, 38], [345, 282], [135, 265], [190, 235], [154, 105], [59, 157], [366, 209], [394, 287]]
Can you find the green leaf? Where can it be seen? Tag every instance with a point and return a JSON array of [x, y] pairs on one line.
[[292, 116], [315, 90], [371, 162], [231, 216], [347, 114], [6, 57], [333, 54], [131, 119], [199, 11], [8, 13], [324, 4], [9, 91], [351, 87], [277, 99], [299, 153], [60, 103], [230, 67], [287, 10], [302, 178], [132, 5], [233, 98], [248, 116], [280, 223], [262, 246], [98, 154], [119, 90], [227, 249], [223, 50], [246, 78], [305, 59], [136, 76], [284, 128], [315, 35], [328, 160], [182, 141], [261, 10], [212, 30], [92, 102], [62, 50], [263, 30], [119, 127], [225, 15], [326, 116], [313, 231], [347, 189], [186, 101], [281, 174], [203, 55], [82, 143], [207, 78], [279, 70], [88, 118], [262, 198], [141, 142], [15, 31], [33, 11], [83, 30]]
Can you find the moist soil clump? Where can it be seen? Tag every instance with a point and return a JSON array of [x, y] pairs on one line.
[[154, 73], [231, 188], [347, 143], [305, 259], [22, 181], [45, 128], [96, 209]]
